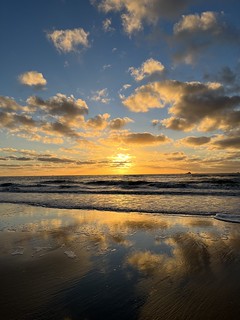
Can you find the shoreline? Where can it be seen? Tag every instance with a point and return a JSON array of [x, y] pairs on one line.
[[93, 264]]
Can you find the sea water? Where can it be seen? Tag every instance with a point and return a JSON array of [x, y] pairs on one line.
[[186, 194]]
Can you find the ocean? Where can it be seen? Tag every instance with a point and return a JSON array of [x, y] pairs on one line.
[[137, 247], [185, 194]]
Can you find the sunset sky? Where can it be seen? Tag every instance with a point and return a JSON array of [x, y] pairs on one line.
[[119, 86]]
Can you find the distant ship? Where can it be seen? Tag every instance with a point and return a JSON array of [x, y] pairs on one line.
[[189, 172]]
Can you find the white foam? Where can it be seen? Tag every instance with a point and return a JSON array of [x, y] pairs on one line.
[[70, 254], [228, 217], [18, 251]]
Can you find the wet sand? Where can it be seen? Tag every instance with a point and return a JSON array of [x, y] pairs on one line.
[[78, 264]]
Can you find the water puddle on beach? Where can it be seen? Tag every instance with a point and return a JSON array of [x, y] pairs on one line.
[[80, 264]]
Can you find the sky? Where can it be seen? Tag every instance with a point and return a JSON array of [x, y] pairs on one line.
[[119, 87]]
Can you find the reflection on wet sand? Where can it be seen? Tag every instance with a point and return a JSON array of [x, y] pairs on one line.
[[59, 264]]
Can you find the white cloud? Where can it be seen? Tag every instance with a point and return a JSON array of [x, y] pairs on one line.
[[101, 96], [69, 40], [106, 66], [205, 106], [207, 21], [107, 25], [134, 13], [126, 86], [32, 79], [148, 68]]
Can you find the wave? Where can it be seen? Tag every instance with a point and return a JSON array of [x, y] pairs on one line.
[[124, 185], [59, 181], [108, 208], [169, 191], [228, 217]]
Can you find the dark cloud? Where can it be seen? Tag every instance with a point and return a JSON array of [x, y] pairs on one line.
[[229, 142], [230, 78], [176, 156], [196, 32], [178, 124], [57, 116], [55, 160], [145, 138], [134, 13], [60, 105], [192, 104], [119, 123], [19, 158], [61, 129], [99, 121], [12, 121], [8, 104], [195, 141]]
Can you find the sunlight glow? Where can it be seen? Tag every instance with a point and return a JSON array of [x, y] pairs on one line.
[[122, 161]]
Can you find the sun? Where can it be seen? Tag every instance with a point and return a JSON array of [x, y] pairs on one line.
[[122, 161], [121, 157]]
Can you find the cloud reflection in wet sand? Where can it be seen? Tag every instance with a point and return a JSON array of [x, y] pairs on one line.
[[123, 265]]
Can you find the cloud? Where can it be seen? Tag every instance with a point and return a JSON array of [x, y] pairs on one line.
[[107, 25], [124, 87], [231, 141], [41, 157], [155, 122], [119, 123], [62, 129], [154, 95], [178, 124], [21, 151], [41, 120], [32, 79], [196, 32], [145, 261], [106, 66], [134, 13], [13, 121], [176, 156], [205, 106], [67, 108], [143, 99], [144, 138], [69, 40], [99, 122], [148, 68], [19, 158], [195, 141], [230, 78], [9, 104], [207, 21], [101, 96], [124, 138], [55, 160]]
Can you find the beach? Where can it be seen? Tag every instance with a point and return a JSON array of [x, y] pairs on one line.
[[91, 264], [120, 160]]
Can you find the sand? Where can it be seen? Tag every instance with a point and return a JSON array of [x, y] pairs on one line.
[[78, 264]]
